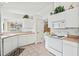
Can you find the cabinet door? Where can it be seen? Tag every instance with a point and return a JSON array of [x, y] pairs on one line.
[[57, 20], [69, 50], [7, 45], [26, 39], [23, 40], [14, 42], [10, 44]]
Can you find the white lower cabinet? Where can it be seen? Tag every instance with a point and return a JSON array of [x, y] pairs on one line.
[[7, 45], [14, 42], [26, 39], [10, 44], [61, 47], [70, 50]]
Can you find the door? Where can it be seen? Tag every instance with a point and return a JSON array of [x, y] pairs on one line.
[[39, 30]]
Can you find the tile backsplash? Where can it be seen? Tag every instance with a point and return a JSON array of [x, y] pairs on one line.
[[73, 31], [70, 31]]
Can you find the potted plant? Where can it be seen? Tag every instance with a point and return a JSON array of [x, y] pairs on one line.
[[25, 16], [59, 9]]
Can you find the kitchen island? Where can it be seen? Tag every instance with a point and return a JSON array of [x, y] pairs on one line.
[[11, 41]]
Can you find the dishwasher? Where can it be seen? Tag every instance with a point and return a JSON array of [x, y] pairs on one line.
[[54, 45]]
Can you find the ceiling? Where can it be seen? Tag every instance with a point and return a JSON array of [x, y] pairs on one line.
[[29, 7], [33, 8]]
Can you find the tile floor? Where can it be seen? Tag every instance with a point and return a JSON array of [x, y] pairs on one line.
[[35, 50]]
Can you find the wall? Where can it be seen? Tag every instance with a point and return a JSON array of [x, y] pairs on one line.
[[45, 12], [7, 15]]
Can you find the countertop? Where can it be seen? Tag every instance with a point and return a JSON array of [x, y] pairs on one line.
[[72, 38], [71, 41], [11, 34]]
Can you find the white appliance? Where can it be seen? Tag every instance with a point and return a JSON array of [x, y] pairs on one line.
[[54, 45]]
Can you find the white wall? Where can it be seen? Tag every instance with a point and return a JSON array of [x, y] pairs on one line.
[[45, 12], [7, 15], [10, 15]]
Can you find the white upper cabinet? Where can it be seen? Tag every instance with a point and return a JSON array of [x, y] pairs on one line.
[[57, 18], [70, 17]]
